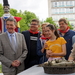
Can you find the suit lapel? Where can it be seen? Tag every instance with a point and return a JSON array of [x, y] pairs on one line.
[[17, 42], [7, 39]]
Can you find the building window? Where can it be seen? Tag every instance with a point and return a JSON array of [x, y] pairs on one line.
[[68, 3], [71, 9], [55, 4], [64, 3]]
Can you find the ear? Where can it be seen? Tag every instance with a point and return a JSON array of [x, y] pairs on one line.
[[15, 26], [38, 25], [53, 31]]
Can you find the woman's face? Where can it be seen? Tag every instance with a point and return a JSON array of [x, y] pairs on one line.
[[49, 32], [43, 28]]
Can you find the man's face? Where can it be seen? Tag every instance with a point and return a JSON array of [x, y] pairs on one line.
[[10, 26], [34, 26], [62, 25]]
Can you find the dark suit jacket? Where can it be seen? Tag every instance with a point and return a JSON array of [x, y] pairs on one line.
[[27, 37]]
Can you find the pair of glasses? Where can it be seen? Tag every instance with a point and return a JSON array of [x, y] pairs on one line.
[[34, 24]]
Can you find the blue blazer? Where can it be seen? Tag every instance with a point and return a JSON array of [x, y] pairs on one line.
[[42, 55], [68, 37]]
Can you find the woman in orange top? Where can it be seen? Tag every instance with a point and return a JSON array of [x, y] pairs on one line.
[[56, 45]]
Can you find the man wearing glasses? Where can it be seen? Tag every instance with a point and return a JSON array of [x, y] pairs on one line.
[[31, 37]]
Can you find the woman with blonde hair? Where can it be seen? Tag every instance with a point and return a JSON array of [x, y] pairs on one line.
[[40, 44]]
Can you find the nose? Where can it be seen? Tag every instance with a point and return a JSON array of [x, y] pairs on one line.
[[60, 25]]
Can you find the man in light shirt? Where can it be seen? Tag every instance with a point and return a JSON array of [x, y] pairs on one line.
[[12, 59]]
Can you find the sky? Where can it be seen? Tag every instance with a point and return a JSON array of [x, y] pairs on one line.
[[39, 7]]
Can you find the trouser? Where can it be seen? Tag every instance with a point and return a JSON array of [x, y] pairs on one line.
[[10, 73]]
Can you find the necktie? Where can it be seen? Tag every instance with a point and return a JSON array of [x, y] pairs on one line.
[[13, 42]]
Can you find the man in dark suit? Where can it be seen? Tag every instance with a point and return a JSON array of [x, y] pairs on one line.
[[12, 55], [31, 37]]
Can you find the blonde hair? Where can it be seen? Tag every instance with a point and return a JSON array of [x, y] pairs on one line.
[[46, 23]]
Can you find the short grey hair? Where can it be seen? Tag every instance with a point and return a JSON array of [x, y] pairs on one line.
[[12, 19]]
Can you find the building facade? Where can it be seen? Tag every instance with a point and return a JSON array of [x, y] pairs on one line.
[[62, 9]]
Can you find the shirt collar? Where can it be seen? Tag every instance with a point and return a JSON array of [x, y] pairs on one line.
[[10, 33]]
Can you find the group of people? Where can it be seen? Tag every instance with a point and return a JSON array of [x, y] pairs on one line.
[[20, 51]]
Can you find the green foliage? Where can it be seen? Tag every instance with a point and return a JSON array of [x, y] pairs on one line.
[[13, 12], [71, 27], [1, 10], [0, 68], [50, 20], [26, 19]]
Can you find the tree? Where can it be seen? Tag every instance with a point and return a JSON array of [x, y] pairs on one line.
[[26, 19], [1, 10], [50, 20], [71, 27], [13, 12]]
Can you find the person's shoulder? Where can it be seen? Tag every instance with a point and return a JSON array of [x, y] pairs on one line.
[[61, 38], [2, 34], [19, 33], [27, 31], [39, 33], [71, 31], [73, 37]]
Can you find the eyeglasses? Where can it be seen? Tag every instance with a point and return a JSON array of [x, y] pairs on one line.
[[34, 24]]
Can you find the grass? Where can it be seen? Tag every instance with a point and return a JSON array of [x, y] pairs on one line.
[[0, 68]]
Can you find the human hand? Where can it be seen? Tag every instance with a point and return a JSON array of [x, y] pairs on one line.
[[47, 56], [49, 53], [45, 46], [43, 49], [15, 63]]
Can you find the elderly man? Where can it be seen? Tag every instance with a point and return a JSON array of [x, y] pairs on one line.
[[13, 49]]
